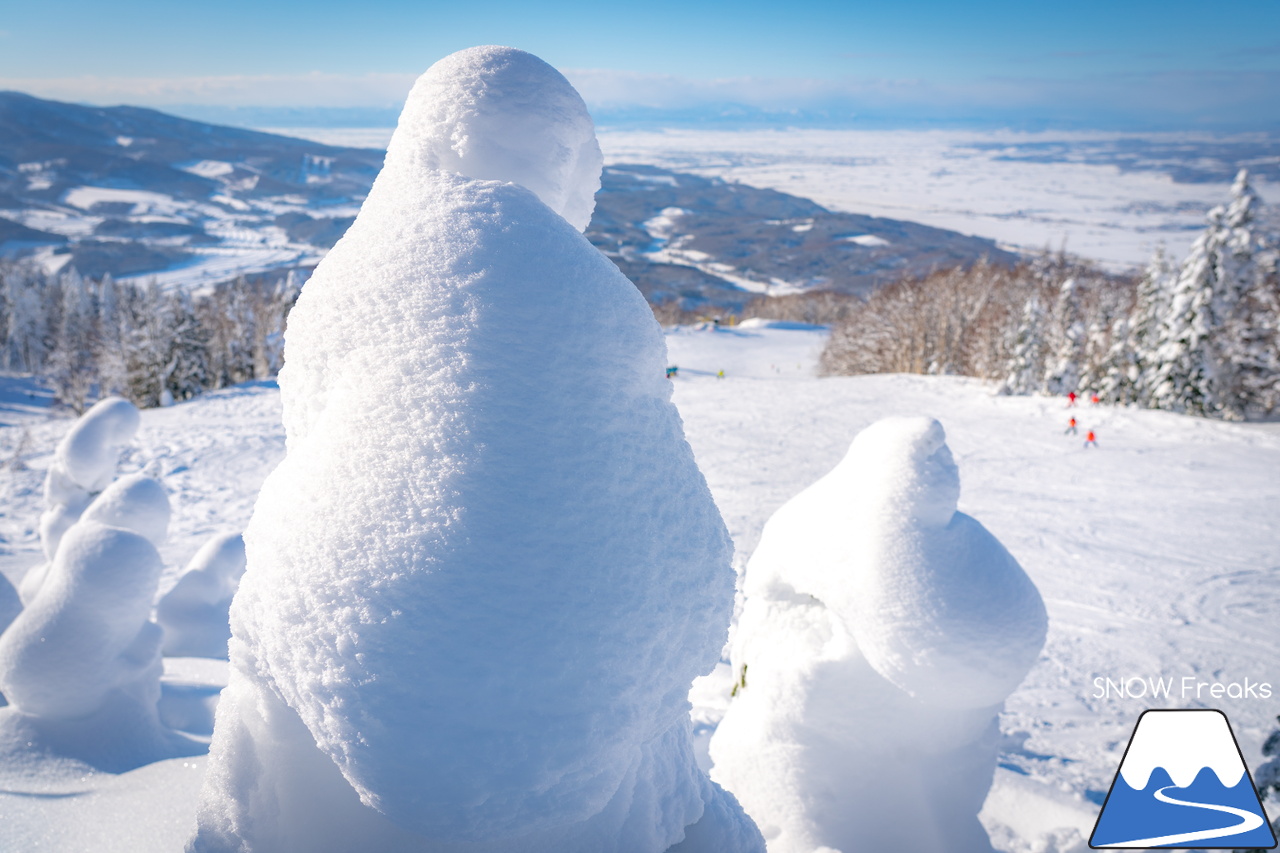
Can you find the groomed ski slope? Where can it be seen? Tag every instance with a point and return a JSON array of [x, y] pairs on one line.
[[1156, 554]]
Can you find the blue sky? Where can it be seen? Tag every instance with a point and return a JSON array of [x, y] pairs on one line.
[[1166, 64]]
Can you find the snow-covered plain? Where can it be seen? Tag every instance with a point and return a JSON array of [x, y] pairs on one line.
[[974, 182], [1155, 553]]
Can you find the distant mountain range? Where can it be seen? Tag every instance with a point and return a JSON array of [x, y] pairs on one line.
[[138, 193]]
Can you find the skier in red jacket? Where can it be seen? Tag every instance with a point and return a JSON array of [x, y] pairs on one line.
[[1089, 439], [1071, 399], [1071, 427]]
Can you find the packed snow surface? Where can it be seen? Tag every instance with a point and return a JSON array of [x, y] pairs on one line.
[[486, 573], [1155, 554]]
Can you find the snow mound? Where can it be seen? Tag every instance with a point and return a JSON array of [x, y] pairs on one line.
[[194, 613], [486, 573], [500, 114], [880, 633]]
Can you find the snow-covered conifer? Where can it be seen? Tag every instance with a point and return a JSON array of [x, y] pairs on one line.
[[880, 634], [194, 613], [1135, 364], [1027, 351], [109, 340], [487, 571], [72, 369], [1207, 332], [1066, 347]]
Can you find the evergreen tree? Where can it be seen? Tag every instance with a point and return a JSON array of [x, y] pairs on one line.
[[110, 341], [1201, 335], [1062, 370], [1027, 350], [72, 368]]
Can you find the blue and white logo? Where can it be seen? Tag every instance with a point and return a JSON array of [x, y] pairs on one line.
[[1182, 783]]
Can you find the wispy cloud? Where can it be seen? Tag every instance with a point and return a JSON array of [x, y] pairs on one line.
[[315, 89], [1260, 50], [1187, 99]]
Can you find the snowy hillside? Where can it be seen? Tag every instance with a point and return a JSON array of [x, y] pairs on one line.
[[1155, 554]]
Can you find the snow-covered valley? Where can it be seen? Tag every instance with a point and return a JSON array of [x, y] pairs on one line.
[[1155, 553]]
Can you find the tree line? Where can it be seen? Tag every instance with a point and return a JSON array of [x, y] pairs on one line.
[[154, 346], [1201, 337]]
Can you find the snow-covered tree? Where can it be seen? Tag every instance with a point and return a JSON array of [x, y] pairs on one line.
[[1215, 328], [1027, 351], [72, 367], [880, 634], [110, 338], [482, 580], [1065, 348], [1130, 363]]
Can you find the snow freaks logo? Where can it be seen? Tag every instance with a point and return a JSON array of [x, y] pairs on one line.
[[1182, 783], [1188, 687]]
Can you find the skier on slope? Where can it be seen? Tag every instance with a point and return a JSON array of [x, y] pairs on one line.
[[1089, 439], [1094, 400], [1071, 427], [1071, 400]]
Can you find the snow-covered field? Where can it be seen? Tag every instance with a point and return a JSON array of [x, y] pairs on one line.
[[974, 182], [1156, 555]]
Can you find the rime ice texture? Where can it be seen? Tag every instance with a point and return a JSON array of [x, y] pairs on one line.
[[881, 632], [483, 578]]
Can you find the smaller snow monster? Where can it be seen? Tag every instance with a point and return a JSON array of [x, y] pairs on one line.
[[81, 664], [194, 614], [883, 630], [84, 463]]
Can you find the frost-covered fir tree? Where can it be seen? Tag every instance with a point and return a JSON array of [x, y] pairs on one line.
[[1132, 362], [72, 367], [1215, 328], [1066, 346], [881, 632], [1027, 351], [482, 580], [109, 358]]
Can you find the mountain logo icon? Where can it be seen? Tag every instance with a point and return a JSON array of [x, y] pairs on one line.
[[1182, 783]]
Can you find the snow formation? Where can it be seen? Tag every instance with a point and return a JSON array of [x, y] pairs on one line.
[[483, 578], [194, 614], [83, 659], [497, 114], [83, 464], [881, 632]]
